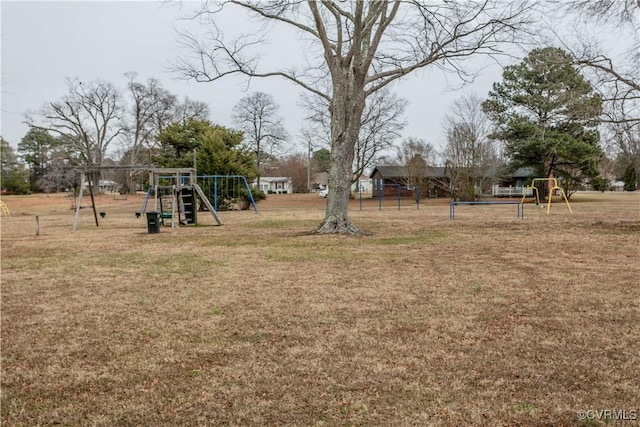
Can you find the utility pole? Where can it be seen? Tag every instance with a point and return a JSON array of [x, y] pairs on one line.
[[309, 166]]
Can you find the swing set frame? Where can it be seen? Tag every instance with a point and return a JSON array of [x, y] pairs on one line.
[[553, 186]]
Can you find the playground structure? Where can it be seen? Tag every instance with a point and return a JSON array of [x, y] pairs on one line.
[[531, 190], [553, 186], [176, 194], [176, 201], [84, 184]]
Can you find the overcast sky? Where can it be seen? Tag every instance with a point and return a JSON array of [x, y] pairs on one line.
[[45, 42]]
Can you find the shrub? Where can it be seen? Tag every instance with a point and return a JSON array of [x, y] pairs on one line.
[[16, 183], [244, 201], [599, 183]]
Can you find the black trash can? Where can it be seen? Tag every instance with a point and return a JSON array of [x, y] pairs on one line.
[[153, 222]]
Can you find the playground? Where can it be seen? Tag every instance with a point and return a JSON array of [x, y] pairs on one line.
[[488, 319]]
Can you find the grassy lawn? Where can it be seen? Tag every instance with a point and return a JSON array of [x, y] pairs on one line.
[[485, 320]]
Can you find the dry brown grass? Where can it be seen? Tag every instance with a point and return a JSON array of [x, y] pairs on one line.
[[485, 320]]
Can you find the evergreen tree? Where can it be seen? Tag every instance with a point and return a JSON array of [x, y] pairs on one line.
[[36, 148], [13, 179], [219, 150], [222, 153], [547, 113]]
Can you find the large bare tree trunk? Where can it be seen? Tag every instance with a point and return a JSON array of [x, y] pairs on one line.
[[336, 218], [347, 106]]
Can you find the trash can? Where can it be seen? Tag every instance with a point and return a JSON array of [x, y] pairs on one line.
[[153, 222]]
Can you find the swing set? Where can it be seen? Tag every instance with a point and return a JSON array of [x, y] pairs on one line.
[[553, 186], [94, 171], [176, 193], [176, 200]]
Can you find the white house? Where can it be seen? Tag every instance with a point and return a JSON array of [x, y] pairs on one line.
[[363, 184], [617, 186], [108, 186], [275, 184]]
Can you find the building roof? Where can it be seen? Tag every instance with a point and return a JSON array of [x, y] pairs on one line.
[[402, 171], [525, 172], [439, 172], [390, 171], [275, 178]]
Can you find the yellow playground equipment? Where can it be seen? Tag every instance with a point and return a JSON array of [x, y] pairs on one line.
[[4, 210], [553, 184]]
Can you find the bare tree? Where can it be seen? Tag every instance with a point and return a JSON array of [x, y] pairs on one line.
[[627, 141], [363, 47], [295, 167], [151, 108], [88, 118], [418, 157], [618, 12], [618, 84], [381, 125], [257, 116], [617, 79], [471, 158], [57, 174], [186, 110]]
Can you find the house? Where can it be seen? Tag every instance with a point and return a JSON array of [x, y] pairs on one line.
[[389, 180], [363, 184], [518, 178], [616, 186], [275, 184], [514, 184], [108, 186]]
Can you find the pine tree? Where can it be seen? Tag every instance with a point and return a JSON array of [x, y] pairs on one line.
[[547, 115]]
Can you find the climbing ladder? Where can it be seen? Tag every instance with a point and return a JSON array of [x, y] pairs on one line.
[[166, 204], [179, 205], [188, 205]]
